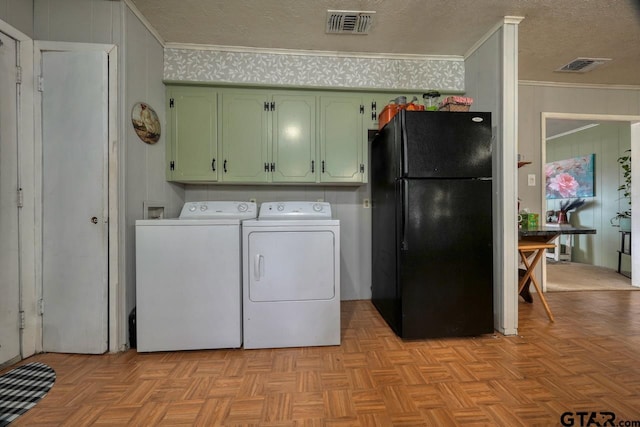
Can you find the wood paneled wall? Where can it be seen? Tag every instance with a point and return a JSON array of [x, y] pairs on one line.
[[607, 141]]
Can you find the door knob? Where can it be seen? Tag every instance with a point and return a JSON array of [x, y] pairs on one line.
[[94, 220]]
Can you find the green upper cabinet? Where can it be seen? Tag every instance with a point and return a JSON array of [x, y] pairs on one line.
[[294, 138], [192, 149], [341, 139], [244, 136], [260, 135]]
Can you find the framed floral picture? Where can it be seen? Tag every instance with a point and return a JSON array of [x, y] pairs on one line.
[[570, 178]]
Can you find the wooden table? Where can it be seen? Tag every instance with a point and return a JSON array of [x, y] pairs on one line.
[[531, 248], [533, 243]]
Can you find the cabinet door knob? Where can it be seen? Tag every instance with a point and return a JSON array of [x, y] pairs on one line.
[[224, 166], [213, 164], [323, 166], [313, 166]]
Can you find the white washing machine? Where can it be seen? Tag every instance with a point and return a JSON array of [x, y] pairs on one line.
[[291, 279], [188, 278]]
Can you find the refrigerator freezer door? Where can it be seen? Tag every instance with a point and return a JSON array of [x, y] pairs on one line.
[[446, 262], [445, 144]]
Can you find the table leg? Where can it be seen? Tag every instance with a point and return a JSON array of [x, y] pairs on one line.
[[529, 274]]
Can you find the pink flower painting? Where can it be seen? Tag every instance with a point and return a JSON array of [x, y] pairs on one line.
[[570, 178]]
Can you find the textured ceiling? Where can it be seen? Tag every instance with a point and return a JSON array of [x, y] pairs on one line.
[[552, 33]]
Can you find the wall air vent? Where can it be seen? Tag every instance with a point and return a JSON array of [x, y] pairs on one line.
[[349, 22], [583, 65]]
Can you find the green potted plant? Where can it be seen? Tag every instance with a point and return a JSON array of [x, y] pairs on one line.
[[623, 218]]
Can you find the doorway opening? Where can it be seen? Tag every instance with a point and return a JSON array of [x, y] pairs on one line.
[[579, 139]]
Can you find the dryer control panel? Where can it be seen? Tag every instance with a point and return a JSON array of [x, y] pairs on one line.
[[295, 210], [218, 210]]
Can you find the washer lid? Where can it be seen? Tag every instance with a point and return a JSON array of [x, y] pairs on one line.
[[218, 210], [295, 210]]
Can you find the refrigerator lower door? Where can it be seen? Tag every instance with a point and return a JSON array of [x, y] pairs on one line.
[[446, 258]]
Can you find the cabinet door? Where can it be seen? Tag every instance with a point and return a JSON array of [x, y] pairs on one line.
[[192, 155], [294, 138], [341, 138], [244, 130]]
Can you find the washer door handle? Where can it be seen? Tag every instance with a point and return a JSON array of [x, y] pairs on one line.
[[258, 267]]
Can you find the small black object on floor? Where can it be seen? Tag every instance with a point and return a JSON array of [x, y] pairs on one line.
[[525, 293]]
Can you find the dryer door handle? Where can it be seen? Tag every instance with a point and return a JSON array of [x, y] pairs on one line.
[[258, 267]]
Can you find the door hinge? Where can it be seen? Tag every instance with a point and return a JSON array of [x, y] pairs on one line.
[[273, 106], [20, 198], [361, 167], [40, 84], [41, 306], [171, 102], [21, 314], [361, 109], [266, 106], [172, 165], [18, 74]]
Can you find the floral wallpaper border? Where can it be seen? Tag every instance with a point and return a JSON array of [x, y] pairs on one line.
[[307, 70]]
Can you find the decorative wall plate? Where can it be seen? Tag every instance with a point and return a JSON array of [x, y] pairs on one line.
[[145, 122]]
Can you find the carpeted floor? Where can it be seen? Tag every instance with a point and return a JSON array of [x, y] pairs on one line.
[[571, 276]]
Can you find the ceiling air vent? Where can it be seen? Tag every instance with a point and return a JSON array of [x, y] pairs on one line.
[[582, 65], [349, 22]]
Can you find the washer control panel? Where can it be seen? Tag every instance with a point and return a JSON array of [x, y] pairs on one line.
[[219, 210], [295, 210]]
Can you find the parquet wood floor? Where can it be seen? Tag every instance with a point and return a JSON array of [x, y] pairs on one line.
[[588, 360]]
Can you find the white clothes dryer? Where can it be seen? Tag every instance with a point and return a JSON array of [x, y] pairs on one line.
[[188, 278], [291, 279]]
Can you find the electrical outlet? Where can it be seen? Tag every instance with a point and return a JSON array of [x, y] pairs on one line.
[[366, 203], [531, 180], [320, 200], [252, 200]]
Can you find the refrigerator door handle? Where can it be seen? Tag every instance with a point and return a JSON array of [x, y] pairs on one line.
[[404, 246], [405, 149]]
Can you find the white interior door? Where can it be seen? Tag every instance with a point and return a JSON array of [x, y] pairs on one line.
[[9, 276], [74, 197]]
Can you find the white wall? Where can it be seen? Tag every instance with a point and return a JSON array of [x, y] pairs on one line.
[[19, 14], [536, 98], [491, 77], [143, 164], [86, 21], [607, 141]]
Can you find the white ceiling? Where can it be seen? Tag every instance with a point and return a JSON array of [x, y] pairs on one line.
[[553, 32]]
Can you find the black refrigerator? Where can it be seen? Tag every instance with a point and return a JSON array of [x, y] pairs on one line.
[[432, 237]]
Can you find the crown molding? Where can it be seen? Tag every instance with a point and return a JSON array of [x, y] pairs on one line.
[[506, 20], [578, 85], [132, 7]]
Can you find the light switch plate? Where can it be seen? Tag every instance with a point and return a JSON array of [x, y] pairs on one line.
[[531, 180]]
